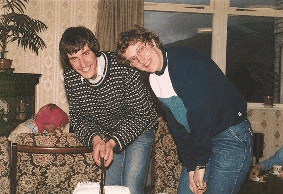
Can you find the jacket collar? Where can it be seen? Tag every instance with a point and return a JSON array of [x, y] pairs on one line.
[[165, 63]]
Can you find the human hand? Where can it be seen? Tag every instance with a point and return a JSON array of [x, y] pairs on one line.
[[254, 172], [102, 149], [197, 185], [98, 149], [280, 175], [109, 155], [198, 179]]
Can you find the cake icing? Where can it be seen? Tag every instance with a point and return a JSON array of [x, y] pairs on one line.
[[94, 187]]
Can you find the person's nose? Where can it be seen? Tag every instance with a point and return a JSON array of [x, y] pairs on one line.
[[141, 59], [82, 63]]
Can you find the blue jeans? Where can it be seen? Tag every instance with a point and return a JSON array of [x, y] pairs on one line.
[[130, 167], [276, 159], [229, 161]]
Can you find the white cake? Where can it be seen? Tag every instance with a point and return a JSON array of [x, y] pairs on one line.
[[93, 188]]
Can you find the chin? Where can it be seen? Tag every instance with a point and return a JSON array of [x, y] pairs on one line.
[[149, 70], [85, 76], [146, 70], [88, 75]]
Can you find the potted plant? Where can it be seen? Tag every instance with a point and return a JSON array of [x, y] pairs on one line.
[[16, 26]]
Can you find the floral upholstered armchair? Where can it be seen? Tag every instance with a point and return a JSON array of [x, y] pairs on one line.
[[50, 163], [167, 167], [4, 166]]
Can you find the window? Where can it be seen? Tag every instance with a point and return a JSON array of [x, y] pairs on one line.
[[195, 2], [252, 3], [243, 37], [250, 56], [177, 26]]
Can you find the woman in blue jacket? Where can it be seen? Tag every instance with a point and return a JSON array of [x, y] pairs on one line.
[[205, 113]]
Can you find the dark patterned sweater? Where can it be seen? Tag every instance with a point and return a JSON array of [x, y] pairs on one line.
[[120, 106]]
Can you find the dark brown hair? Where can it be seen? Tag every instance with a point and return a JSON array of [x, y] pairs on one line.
[[73, 40]]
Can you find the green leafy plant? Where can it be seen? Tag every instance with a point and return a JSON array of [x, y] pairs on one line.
[[16, 26]]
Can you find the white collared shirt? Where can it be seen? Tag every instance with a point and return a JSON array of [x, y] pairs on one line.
[[101, 65], [161, 85]]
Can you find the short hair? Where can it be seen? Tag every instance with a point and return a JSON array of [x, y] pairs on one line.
[[138, 34], [73, 40]]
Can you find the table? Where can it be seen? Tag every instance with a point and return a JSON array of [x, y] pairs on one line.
[[272, 185]]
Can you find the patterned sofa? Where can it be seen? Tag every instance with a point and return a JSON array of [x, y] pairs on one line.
[[166, 166], [4, 166], [60, 173], [52, 170]]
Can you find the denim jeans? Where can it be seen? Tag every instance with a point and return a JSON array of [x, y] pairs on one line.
[[276, 159], [229, 161], [130, 167]]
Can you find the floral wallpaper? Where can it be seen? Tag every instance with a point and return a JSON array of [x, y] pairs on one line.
[[57, 15], [268, 121]]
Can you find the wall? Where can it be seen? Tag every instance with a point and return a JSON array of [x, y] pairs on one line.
[[268, 121], [57, 15]]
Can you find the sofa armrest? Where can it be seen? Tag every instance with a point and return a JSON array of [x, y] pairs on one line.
[[48, 140], [4, 166]]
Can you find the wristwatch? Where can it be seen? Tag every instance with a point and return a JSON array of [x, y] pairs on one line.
[[198, 167]]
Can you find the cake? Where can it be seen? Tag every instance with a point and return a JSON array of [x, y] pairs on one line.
[[94, 187]]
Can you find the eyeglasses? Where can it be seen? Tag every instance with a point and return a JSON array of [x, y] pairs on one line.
[[141, 52]]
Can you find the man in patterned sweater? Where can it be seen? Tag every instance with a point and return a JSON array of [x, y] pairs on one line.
[[111, 111]]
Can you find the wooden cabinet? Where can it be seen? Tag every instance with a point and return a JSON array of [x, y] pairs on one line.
[[17, 97]]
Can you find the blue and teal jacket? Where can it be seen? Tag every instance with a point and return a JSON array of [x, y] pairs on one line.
[[212, 103]]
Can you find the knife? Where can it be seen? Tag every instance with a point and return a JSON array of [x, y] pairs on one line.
[[103, 174]]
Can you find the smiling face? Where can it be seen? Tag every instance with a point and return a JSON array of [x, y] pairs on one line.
[[144, 56], [84, 62]]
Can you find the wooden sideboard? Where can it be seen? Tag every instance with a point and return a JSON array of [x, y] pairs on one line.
[[17, 97]]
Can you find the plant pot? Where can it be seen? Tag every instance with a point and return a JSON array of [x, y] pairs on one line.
[[268, 101], [5, 63]]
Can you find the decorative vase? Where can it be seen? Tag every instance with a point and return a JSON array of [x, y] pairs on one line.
[[268, 101], [5, 65]]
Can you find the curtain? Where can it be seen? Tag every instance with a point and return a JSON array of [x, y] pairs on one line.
[[115, 16]]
